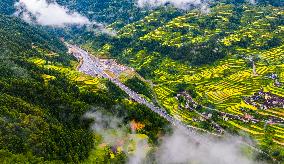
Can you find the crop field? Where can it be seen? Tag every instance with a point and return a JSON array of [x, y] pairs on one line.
[[223, 85], [82, 80], [225, 93], [182, 29]]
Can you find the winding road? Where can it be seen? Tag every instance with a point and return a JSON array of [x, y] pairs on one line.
[[92, 66]]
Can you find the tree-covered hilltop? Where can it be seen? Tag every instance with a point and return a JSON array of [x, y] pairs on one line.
[[43, 100], [7, 7], [126, 11], [108, 11], [194, 37], [15, 31]]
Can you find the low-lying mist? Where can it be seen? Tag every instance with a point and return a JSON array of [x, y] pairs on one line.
[[115, 133], [174, 148], [180, 148], [201, 5]]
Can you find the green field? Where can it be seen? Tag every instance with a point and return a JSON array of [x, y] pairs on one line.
[[169, 53]]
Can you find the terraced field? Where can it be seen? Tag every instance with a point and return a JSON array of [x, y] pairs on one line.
[[225, 93], [255, 52], [82, 80], [222, 59]]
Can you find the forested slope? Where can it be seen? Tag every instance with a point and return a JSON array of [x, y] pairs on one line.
[[43, 100], [37, 118], [7, 7], [107, 11]]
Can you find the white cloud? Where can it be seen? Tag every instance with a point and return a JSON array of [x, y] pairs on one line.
[[113, 131], [182, 4], [252, 1], [101, 28], [180, 148], [48, 14], [52, 14]]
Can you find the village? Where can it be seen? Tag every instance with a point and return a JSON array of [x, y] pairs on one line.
[[110, 67], [261, 100], [265, 100]]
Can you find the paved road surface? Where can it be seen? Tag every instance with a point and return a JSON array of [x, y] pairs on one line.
[[92, 66]]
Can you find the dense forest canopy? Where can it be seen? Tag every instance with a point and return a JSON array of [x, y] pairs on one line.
[[41, 109]]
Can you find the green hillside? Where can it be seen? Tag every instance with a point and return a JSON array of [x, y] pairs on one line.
[[43, 100], [31, 114], [221, 71], [108, 11], [210, 56]]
